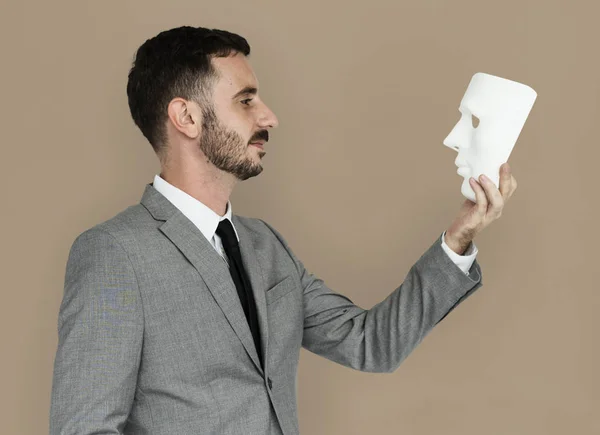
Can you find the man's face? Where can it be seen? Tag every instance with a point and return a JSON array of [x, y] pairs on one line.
[[236, 119]]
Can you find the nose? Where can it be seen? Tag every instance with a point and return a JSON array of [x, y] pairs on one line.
[[268, 118], [451, 140]]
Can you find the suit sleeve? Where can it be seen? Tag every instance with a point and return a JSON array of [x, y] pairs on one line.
[[465, 261], [100, 330], [379, 339]]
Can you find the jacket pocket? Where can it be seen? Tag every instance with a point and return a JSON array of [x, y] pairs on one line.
[[279, 290]]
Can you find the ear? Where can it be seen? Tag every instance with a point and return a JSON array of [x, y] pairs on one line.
[[185, 116]]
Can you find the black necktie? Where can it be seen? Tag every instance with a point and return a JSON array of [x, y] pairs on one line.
[[240, 278]]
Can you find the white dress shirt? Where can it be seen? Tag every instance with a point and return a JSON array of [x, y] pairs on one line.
[[207, 221]]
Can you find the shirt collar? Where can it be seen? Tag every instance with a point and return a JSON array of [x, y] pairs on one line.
[[205, 219]]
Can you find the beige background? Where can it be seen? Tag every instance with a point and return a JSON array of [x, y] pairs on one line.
[[356, 178]]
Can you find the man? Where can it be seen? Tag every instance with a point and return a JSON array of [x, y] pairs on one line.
[[180, 317]]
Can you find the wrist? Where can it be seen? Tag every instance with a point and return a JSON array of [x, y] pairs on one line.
[[457, 242]]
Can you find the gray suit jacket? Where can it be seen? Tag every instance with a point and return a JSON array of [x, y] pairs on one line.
[[152, 338]]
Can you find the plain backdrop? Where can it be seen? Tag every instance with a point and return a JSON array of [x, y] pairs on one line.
[[357, 180]]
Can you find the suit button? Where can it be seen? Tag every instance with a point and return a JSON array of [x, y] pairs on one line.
[[270, 382]]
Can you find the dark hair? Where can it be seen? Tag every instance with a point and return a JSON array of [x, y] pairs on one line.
[[175, 63]]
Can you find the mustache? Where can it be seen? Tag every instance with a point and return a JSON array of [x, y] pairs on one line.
[[261, 135]]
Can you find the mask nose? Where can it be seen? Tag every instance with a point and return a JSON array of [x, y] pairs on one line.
[[451, 140], [458, 137]]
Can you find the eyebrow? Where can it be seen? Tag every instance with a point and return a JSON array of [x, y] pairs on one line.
[[248, 90]]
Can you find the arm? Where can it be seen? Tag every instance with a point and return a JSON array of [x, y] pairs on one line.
[[100, 327], [379, 339], [463, 260]]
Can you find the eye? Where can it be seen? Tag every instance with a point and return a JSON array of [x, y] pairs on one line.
[[243, 101]]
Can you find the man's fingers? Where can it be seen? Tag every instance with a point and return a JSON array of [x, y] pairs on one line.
[[513, 185], [493, 195], [506, 179], [482, 202]]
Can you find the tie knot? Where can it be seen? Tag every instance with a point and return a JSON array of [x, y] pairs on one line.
[[226, 233]]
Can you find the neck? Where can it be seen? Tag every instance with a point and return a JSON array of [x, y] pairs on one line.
[[211, 187]]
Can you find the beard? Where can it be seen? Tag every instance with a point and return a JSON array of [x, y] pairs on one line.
[[226, 149]]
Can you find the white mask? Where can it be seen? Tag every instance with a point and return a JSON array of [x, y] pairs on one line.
[[502, 107]]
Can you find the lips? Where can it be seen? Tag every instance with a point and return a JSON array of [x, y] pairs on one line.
[[463, 170]]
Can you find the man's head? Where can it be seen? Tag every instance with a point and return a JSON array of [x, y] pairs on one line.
[[194, 95]]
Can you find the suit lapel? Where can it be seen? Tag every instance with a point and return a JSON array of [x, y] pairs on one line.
[[250, 255], [213, 270]]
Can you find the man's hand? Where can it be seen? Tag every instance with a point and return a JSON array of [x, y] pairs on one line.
[[474, 217]]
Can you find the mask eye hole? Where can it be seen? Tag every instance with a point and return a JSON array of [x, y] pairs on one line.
[[474, 121]]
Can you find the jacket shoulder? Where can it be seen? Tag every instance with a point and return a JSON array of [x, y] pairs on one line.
[[124, 225]]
